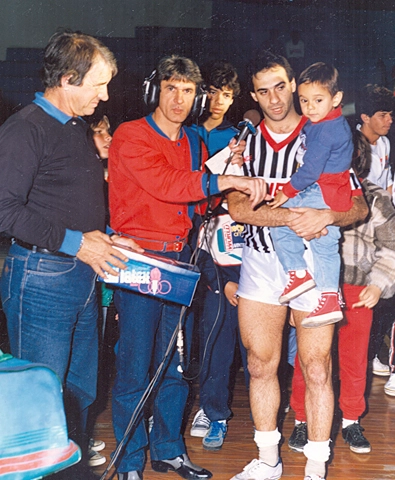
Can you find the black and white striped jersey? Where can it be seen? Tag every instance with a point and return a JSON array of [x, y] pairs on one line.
[[275, 157]]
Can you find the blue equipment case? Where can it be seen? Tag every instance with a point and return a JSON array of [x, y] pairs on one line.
[[157, 276], [34, 440]]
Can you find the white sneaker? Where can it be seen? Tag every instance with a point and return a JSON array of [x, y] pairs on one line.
[[96, 445], [389, 387], [258, 470], [379, 368], [314, 477], [200, 425], [95, 459]]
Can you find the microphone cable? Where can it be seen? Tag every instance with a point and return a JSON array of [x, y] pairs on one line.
[[137, 411]]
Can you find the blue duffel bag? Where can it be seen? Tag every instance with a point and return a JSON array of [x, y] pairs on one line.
[[34, 440]]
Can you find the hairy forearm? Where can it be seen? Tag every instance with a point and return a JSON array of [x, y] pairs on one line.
[[306, 222], [357, 213], [241, 211]]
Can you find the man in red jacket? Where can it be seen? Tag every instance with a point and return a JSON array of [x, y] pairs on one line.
[[154, 180]]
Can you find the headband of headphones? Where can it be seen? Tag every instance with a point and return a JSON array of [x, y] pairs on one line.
[[151, 91]]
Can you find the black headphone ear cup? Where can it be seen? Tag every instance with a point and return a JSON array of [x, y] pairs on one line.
[[151, 91], [199, 104]]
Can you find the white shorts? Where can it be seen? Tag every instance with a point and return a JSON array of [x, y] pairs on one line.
[[262, 279]]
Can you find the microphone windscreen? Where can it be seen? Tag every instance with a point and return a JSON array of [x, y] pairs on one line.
[[253, 116]]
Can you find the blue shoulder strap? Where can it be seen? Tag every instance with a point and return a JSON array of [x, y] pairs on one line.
[[195, 147], [196, 158]]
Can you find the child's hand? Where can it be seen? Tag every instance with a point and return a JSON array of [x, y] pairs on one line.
[[369, 296], [278, 200], [230, 293]]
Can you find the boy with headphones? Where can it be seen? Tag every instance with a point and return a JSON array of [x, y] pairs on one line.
[[154, 181]]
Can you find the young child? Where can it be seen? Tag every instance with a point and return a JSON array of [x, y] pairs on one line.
[[323, 181]]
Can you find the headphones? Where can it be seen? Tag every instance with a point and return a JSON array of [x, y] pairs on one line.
[[151, 91]]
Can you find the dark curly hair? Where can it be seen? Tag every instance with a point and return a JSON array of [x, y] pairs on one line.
[[222, 74], [372, 99]]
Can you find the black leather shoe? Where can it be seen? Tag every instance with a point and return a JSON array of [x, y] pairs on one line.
[[181, 465], [135, 475]]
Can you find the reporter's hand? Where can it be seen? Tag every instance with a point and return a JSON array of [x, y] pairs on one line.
[[98, 252], [256, 188], [369, 297], [237, 151]]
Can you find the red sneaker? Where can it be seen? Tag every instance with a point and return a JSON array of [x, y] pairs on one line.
[[328, 311], [296, 285]]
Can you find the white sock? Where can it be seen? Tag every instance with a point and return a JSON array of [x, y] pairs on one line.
[[267, 443], [315, 468], [317, 454], [317, 451], [346, 423]]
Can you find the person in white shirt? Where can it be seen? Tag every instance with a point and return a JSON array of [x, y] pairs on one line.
[[374, 108]]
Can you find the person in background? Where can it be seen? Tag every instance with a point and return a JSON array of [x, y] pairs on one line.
[[368, 254], [102, 137], [374, 106], [295, 52], [219, 264], [101, 133]]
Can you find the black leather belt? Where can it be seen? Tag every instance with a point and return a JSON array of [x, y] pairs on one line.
[[34, 248]]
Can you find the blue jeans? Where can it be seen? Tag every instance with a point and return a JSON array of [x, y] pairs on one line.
[[290, 248], [146, 325], [51, 310], [219, 334]]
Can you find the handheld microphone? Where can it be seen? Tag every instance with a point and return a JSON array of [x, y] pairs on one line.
[[250, 120]]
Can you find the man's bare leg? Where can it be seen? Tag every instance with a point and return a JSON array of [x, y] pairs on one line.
[[314, 350], [261, 327]]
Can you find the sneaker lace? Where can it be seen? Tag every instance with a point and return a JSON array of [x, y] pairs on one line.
[[356, 431], [301, 431], [201, 419], [342, 303], [290, 279], [320, 305], [217, 428], [252, 466]]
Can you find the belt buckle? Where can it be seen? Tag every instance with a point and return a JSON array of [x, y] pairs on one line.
[[178, 246]]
